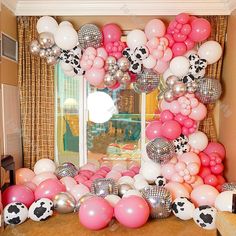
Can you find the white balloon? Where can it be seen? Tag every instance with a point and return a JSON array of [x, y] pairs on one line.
[[149, 62], [65, 23], [179, 66], [140, 184], [138, 177], [47, 24], [136, 38], [132, 192], [66, 37], [126, 180], [150, 171], [198, 140], [211, 51], [66, 66], [167, 74], [112, 199], [44, 165], [224, 200]]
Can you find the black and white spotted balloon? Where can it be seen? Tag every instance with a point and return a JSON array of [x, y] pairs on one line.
[[183, 208], [181, 145], [41, 209], [160, 181], [197, 65], [15, 213], [205, 217]]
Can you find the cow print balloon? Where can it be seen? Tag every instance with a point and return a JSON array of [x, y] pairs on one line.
[[181, 145], [160, 181], [41, 209], [205, 217], [141, 53], [183, 208], [15, 213], [197, 65]]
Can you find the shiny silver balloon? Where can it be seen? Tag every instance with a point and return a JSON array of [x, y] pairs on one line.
[[104, 187], [125, 79], [160, 201], [119, 75], [231, 186], [51, 60], [82, 200], [35, 47], [179, 89], [171, 80], [109, 80], [160, 150], [209, 90], [66, 169], [90, 36], [169, 95], [49, 53], [42, 53], [56, 51], [46, 40], [123, 188], [64, 203], [123, 64], [111, 61]]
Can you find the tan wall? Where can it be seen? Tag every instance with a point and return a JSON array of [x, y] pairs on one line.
[[227, 128]]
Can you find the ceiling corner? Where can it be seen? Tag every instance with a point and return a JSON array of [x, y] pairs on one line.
[[10, 4], [232, 5]]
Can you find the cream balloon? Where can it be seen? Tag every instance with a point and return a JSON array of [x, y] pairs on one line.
[[167, 74], [150, 171], [47, 24], [112, 199], [66, 66], [44, 165], [39, 178], [211, 51], [224, 201], [126, 180], [141, 184], [136, 38], [198, 140], [179, 66], [132, 192], [65, 23]]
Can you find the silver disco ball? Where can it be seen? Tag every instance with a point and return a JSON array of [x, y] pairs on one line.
[[228, 186], [147, 81], [66, 169], [159, 200], [160, 150], [104, 187], [90, 36], [208, 90]]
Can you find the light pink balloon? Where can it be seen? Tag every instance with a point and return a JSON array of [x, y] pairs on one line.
[[24, 175], [38, 179], [177, 190], [174, 107], [30, 185], [198, 181], [177, 178], [78, 191], [161, 66], [69, 182], [198, 113], [149, 62], [193, 168], [167, 55], [204, 195], [90, 167], [80, 179], [152, 44], [101, 52], [98, 63], [155, 28], [95, 76], [165, 105], [114, 174], [153, 130], [167, 170], [190, 157]]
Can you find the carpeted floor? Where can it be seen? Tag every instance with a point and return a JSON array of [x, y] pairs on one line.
[[68, 225]]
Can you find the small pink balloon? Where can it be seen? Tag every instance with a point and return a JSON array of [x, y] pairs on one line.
[[180, 118], [88, 183], [204, 195], [215, 147], [180, 166], [78, 191], [161, 66], [186, 29], [87, 173], [90, 50], [135, 169], [95, 76], [18, 193], [193, 168], [165, 105], [95, 213], [80, 179], [188, 123], [170, 39], [101, 52], [128, 173], [198, 113], [101, 172], [179, 37], [189, 44], [114, 175], [132, 211], [38, 179], [49, 188], [179, 49], [166, 115], [182, 18], [211, 180], [24, 175], [168, 170], [190, 157], [152, 44], [106, 168], [205, 159], [89, 166], [167, 55], [177, 178], [111, 33], [96, 176], [30, 185], [174, 107], [98, 62], [85, 65], [198, 181], [69, 182], [153, 130], [177, 190], [217, 169], [171, 129], [155, 28], [204, 171]]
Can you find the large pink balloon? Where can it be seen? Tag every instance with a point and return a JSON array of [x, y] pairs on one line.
[[111, 33], [168, 170], [18, 193], [38, 179], [215, 147], [204, 195], [201, 29], [49, 188], [171, 129], [190, 157], [179, 49], [177, 190], [95, 76], [132, 212], [153, 130], [155, 28], [198, 113], [24, 175], [95, 213]]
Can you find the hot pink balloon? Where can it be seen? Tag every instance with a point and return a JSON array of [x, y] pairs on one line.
[[204, 195], [166, 115], [155, 28], [177, 190], [38, 179], [190, 157], [111, 33], [170, 39], [80, 179], [211, 180], [69, 182], [179, 49], [18, 193], [95, 213], [171, 129], [153, 130], [182, 18], [204, 171], [217, 169], [189, 44], [198, 113], [49, 188], [215, 147], [95, 76], [205, 159], [132, 211], [24, 175], [186, 29], [179, 37], [201, 30], [30, 185]]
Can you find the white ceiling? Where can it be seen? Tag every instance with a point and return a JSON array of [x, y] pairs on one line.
[[118, 7]]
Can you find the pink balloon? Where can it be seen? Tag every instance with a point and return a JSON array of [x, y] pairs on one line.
[[179, 49], [80, 179], [167, 55], [89, 167], [215, 147], [186, 29], [168, 170], [189, 44], [128, 173], [88, 183], [132, 211], [30, 185], [166, 115], [204, 171], [114, 175], [198, 181], [155, 28], [165, 105], [69, 182], [174, 107], [205, 159], [79, 190], [204, 195], [171, 129], [161, 66], [106, 168], [211, 180], [96, 176], [170, 39], [201, 30], [24, 175], [217, 169], [193, 168], [179, 37], [98, 63], [198, 113], [180, 118], [18, 193], [177, 190], [177, 178], [49, 188], [38, 179], [95, 76], [101, 52], [111, 33], [153, 130], [190, 157], [182, 18]]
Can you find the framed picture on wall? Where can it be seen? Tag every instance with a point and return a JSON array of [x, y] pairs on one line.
[[8, 47]]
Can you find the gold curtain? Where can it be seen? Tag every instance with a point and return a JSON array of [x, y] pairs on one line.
[[218, 33], [36, 84]]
